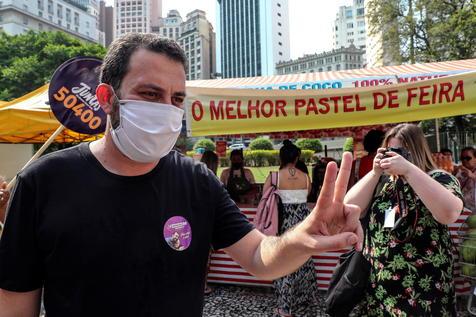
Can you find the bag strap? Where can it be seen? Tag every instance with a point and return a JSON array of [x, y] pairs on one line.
[[273, 179]]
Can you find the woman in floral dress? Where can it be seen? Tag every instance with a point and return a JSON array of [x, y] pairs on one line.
[[407, 240]]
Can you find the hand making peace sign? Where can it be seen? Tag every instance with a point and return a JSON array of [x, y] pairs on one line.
[[333, 225]]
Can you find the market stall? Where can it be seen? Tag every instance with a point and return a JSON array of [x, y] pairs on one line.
[[311, 105], [365, 99]]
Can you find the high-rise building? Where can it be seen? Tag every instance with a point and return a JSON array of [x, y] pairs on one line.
[[338, 59], [136, 16], [198, 41], [49, 15], [253, 36], [106, 22], [349, 26], [171, 26]]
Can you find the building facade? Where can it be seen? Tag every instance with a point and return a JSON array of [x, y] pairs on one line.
[[198, 41], [106, 22], [171, 26], [253, 35], [136, 16], [74, 18], [349, 27], [341, 59]]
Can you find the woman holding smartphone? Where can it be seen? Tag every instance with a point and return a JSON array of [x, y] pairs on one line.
[[407, 241]]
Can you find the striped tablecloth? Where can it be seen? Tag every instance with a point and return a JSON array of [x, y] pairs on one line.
[[224, 270]]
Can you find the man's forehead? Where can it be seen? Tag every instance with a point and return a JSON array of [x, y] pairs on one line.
[[155, 68]]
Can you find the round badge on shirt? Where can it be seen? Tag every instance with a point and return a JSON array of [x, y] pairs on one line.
[[178, 233]]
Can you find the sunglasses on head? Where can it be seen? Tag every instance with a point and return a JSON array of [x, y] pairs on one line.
[[466, 158]]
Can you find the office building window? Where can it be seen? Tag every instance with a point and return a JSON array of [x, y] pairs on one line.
[[329, 68], [59, 11], [279, 24], [25, 20], [40, 26], [360, 12], [348, 13], [50, 7], [280, 34], [76, 18], [280, 53], [279, 14], [68, 15], [279, 4], [350, 25], [41, 5]]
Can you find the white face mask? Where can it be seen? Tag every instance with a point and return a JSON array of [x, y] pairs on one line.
[[147, 130]]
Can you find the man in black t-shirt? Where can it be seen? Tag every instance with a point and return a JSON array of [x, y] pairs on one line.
[[122, 226]]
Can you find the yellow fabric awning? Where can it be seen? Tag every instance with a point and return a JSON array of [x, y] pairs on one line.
[[29, 119]]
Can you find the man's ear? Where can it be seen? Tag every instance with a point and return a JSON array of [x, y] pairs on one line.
[[105, 96]]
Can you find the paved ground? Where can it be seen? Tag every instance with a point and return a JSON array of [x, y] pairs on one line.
[[234, 301]]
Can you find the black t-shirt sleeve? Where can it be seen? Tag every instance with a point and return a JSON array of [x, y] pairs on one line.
[[230, 224], [20, 265]]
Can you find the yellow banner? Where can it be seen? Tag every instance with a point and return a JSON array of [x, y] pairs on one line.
[[215, 111]]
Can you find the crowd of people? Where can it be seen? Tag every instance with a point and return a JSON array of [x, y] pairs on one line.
[[410, 201], [137, 221]]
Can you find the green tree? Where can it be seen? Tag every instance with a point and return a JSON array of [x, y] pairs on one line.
[[261, 144], [309, 144], [206, 144], [348, 145], [426, 31], [28, 61]]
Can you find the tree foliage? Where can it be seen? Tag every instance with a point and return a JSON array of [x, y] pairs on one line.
[[424, 30], [309, 144], [261, 144], [206, 144], [28, 61], [418, 31], [348, 145]]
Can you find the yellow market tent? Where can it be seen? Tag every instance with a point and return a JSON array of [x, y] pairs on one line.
[[29, 119], [224, 110]]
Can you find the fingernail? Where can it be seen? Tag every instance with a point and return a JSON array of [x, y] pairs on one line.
[[352, 239]]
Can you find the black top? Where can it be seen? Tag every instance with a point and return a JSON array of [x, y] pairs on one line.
[[108, 245]]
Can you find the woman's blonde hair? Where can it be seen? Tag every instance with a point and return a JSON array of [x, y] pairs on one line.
[[413, 140]]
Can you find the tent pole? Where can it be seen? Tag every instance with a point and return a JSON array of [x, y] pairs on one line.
[[38, 153], [437, 132]]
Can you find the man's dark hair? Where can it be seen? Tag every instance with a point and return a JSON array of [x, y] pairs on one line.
[[116, 62], [372, 140], [446, 150], [469, 148]]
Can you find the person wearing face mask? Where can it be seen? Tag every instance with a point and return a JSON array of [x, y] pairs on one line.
[[238, 180], [466, 174], [91, 225]]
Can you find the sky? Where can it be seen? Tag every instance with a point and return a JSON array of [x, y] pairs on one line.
[[310, 21]]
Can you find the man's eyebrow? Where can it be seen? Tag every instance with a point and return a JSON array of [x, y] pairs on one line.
[[160, 89], [151, 86], [180, 94]]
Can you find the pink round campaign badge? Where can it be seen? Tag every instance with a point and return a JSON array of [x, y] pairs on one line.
[[178, 233]]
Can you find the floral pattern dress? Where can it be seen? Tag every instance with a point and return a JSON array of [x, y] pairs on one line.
[[412, 263]]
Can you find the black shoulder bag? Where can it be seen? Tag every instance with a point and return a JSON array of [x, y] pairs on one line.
[[351, 276], [349, 281]]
